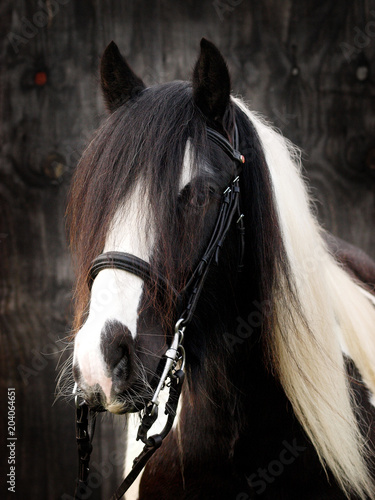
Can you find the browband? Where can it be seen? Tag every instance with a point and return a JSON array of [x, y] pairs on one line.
[[131, 263], [225, 145]]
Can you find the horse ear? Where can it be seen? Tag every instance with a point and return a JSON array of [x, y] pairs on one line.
[[119, 82], [211, 82]]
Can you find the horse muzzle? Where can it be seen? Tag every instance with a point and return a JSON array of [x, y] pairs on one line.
[[105, 370]]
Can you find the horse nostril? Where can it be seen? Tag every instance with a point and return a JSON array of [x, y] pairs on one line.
[[116, 345], [114, 354], [121, 370]]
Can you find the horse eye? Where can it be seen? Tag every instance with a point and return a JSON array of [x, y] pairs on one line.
[[196, 196], [201, 196]]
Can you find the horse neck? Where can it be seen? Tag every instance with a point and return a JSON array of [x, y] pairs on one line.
[[227, 372], [234, 397]]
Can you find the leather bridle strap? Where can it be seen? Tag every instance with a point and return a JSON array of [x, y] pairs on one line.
[[225, 145], [132, 264], [153, 442], [229, 207]]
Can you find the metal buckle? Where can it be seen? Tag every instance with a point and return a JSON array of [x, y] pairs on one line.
[[172, 358], [74, 392], [174, 355]]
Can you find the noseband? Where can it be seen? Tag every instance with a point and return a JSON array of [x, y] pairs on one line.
[[187, 300]]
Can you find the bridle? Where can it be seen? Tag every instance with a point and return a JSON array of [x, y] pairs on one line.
[[175, 355]]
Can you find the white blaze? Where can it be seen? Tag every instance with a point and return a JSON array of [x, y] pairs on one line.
[[115, 295]]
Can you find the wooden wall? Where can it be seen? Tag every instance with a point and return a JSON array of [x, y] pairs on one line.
[[307, 65]]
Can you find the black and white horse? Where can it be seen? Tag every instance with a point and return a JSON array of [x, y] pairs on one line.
[[280, 357]]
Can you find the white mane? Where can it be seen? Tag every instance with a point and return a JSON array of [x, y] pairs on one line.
[[338, 319]]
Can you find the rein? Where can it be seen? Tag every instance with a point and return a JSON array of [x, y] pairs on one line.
[[175, 355]]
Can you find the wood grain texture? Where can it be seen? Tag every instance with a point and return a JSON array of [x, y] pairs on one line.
[[308, 66]]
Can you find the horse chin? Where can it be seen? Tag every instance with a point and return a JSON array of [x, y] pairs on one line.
[[118, 406], [132, 400], [121, 408]]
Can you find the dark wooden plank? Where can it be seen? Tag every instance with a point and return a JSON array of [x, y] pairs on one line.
[[43, 128], [308, 66]]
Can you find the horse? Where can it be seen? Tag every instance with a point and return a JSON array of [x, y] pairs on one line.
[[279, 349]]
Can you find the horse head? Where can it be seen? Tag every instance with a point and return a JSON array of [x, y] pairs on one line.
[[151, 185]]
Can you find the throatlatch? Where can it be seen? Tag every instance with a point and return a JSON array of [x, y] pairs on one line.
[[175, 356]]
